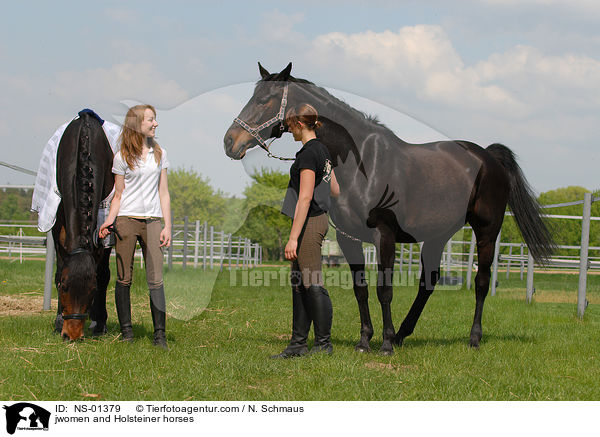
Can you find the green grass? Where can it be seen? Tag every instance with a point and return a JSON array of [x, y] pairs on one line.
[[540, 351]]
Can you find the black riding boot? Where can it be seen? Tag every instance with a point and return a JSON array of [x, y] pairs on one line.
[[321, 311], [123, 303], [158, 308], [300, 326]]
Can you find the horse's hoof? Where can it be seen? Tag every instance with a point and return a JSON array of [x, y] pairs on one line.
[[386, 352], [97, 330], [398, 340], [362, 349], [474, 344]]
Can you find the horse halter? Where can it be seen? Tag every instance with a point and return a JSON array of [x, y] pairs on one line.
[[255, 131]]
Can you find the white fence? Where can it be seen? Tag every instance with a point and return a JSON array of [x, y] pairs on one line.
[[203, 246], [454, 260], [200, 244]]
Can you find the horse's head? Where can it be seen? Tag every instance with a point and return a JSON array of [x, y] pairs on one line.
[[262, 117], [75, 291]]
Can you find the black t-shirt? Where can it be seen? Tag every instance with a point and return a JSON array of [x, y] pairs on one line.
[[313, 156]]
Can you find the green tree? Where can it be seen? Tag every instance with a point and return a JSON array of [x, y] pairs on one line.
[[15, 205], [192, 196], [264, 222]]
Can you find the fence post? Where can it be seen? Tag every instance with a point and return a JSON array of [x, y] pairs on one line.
[[212, 238], [470, 261], [496, 256], [419, 263], [522, 262], [410, 257], [530, 289], [196, 238], [20, 234], [401, 259], [222, 250], [448, 257], [204, 245], [508, 263], [185, 241], [49, 269], [583, 257], [229, 250]]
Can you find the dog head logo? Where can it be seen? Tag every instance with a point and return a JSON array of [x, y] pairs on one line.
[[25, 416]]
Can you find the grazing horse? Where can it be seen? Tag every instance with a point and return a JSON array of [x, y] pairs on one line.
[[393, 191], [84, 178]]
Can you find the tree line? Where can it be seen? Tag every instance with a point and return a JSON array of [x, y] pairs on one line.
[[256, 215]]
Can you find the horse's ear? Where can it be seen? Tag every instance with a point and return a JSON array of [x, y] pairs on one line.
[[285, 73], [263, 72]]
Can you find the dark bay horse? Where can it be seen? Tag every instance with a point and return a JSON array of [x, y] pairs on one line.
[[84, 178], [393, 191]]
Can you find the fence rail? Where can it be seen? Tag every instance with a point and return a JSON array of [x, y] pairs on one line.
[[201, 244]]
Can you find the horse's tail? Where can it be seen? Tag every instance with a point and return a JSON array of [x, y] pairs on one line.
[[85, 181], [526, 209]]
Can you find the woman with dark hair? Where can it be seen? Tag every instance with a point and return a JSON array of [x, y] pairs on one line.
[[141, 199], [312, 182]]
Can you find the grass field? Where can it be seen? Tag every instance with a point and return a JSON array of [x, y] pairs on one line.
[[538, 351]]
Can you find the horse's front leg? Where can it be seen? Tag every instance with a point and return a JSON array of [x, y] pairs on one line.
[[353, 252], [98, 313], [58, 321], [385, 289], [431, 255]]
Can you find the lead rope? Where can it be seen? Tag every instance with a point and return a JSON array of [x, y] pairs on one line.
[[342, 232]]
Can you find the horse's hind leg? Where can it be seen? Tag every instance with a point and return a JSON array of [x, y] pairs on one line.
[[353, 252], [431, 254], [486, 240], [98, 312]]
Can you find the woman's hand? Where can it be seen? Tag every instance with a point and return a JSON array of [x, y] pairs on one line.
[[103, 232], [165, 237], [335, 187], [290, 249]]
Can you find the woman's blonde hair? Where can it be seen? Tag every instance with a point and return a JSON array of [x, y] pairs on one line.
[[304, 113], [132, 139]]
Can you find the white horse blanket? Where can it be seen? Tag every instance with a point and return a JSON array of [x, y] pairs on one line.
[[46, 197]]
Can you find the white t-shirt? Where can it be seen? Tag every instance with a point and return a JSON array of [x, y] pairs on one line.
[[140, 197]]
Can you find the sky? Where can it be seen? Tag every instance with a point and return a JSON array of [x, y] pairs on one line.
[[524, 73]]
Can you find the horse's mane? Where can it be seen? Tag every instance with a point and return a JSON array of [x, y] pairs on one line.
[[85, 183], [370, 119]]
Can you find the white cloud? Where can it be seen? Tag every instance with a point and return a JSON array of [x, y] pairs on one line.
[[278, 26], [33, 106], [547, 83], [135, 81], [419, 60]]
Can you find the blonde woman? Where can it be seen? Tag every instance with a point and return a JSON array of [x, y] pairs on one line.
[[141, 199]]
